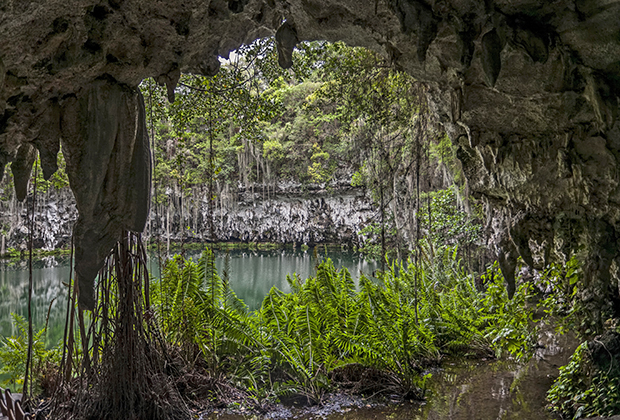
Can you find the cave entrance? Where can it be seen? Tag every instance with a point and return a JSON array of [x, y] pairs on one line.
[[338, 115]]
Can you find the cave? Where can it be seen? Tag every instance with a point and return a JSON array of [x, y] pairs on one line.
[[526, 89]]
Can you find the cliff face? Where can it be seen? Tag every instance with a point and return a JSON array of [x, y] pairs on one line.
[[528, 89], [291, 214], [55, 215]]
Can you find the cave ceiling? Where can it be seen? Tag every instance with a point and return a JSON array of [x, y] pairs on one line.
[[527, 90]]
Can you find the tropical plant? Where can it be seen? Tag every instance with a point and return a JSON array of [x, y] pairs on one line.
[[199, 312], [445, 223], [13, 352], [583, 390], [297, 341], [563, 290]]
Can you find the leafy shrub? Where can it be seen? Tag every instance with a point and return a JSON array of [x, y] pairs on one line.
[[296, 341], [448, 224], [196, 307], [13, 352], [567, 299], [583, 389], [509, 322]]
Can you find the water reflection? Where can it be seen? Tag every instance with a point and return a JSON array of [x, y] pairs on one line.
[[461, 390], [485, 390], [252, 274], [48, 295]]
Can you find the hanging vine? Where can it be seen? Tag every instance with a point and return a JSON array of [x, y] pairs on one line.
[[27, 390]]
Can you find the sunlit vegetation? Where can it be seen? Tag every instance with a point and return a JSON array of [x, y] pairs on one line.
[[301, 342], [340, 113]]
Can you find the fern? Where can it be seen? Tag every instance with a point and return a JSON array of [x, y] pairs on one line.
[[397, 326], [13, 352]]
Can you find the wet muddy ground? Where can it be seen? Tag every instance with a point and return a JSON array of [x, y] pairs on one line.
[[459, 390]]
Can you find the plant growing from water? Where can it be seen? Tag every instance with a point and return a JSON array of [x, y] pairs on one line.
[[297, 342]]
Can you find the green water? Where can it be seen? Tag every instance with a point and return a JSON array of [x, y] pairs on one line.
[[252, 274], [48, 295], [461, 389]]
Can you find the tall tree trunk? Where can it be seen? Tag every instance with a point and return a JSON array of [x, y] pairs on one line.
[[382, 226], [168, 229]]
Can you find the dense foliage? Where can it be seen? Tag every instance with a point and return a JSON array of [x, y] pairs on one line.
[[341, 114], [584, 389], [13, 357], [303, 341]]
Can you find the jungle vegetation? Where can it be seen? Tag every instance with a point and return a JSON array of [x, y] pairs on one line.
[[339, 113]]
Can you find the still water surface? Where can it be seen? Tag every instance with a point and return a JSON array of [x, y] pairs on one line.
[[484, 390], [459, 390], [252, 275]]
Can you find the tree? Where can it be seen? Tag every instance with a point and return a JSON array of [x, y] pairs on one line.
[[194, 134]]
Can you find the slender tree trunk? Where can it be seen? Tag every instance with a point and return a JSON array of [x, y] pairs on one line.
[[395, 212], [417, 228], [382, 226], [168, 229], [66, 362], [182, 219], [429, 199], [28, 374], [211, 171], [71, 337]]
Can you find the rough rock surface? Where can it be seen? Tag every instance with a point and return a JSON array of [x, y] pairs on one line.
[[331, 219], [295, 216], [109, 168], [528, 89], [289, 215], [55, 215], [604, 351]]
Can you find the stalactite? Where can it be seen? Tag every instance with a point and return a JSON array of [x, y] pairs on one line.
[[107, 153]]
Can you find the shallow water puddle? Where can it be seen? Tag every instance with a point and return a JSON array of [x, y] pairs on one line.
[[483, 390], [460, 390]]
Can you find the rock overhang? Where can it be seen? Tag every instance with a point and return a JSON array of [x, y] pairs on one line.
[[528, 90]]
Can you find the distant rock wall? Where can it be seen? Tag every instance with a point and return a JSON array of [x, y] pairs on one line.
[[55, 214], [291, 214], [300, 220]]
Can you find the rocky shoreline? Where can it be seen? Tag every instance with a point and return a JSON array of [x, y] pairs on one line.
[[286, 213]]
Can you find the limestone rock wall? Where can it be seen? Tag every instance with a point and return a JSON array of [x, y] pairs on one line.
[[528, 90], [302, 220], [291, 214], [55, 215]]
